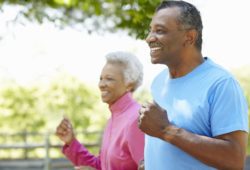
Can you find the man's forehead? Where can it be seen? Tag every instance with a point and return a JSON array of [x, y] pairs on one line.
[[170, 12], [167, 15]]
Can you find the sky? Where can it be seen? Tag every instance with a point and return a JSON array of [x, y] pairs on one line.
[[32, 52]]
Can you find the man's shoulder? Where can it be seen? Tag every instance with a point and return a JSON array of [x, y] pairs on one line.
[[217, 72]]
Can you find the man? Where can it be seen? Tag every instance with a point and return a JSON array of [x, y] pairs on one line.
[[199, 117]]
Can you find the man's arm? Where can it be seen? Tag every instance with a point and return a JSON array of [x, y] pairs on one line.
[[222, 152]]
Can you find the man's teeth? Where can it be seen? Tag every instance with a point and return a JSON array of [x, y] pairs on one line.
[[155, 48]]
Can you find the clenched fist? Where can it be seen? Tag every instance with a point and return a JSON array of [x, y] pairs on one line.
[[65, 131], [153, 120]]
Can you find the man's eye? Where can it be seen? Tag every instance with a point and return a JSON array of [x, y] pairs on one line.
[[160, 31]]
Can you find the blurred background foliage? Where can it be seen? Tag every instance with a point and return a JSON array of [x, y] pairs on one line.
[[97, 15], [40, 107]]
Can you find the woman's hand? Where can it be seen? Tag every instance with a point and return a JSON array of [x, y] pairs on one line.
[[65, 131]]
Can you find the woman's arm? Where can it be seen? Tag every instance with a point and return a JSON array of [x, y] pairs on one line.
[[80, 156], [72, 149]]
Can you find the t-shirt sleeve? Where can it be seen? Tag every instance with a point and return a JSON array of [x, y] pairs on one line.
[[228, 108], [80, 156]]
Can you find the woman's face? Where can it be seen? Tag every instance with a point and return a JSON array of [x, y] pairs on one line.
[[112, 84]]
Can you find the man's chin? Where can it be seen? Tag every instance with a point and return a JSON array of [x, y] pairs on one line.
[[154, 61]]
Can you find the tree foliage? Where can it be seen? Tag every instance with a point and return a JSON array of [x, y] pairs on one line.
[[41, 107], [18, 109], [93, 15]]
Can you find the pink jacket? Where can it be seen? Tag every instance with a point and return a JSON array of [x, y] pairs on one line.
[[122, 144]]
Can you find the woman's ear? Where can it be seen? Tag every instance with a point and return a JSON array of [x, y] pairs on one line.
[[130, 87]]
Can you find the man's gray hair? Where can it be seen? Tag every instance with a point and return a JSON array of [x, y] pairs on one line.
[[133, 69]]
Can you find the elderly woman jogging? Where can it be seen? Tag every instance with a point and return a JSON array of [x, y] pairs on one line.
[[123, 142]]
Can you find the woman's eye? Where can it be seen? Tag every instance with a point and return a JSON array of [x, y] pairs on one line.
[[109, 79]]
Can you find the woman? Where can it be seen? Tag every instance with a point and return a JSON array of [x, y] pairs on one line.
[[123, 142]]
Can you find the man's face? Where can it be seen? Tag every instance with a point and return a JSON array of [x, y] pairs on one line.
[[166, 38]]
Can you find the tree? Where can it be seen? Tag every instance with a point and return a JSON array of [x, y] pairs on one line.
[[93, 15]]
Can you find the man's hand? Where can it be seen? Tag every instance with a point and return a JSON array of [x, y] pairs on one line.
[[153, 120], [65, 131]]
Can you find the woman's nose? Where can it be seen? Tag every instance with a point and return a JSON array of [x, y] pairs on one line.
[[102, 84]]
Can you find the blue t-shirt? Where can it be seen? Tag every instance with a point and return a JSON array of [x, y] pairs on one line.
[[207, 101]]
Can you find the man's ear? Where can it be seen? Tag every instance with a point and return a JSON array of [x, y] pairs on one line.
[[191, 37]]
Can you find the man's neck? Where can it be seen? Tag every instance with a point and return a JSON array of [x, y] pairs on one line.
[[186, 65]]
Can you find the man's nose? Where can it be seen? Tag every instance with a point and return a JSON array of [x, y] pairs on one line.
[[151, 37]]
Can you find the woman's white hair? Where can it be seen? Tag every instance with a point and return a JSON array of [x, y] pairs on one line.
[[133, 69]]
